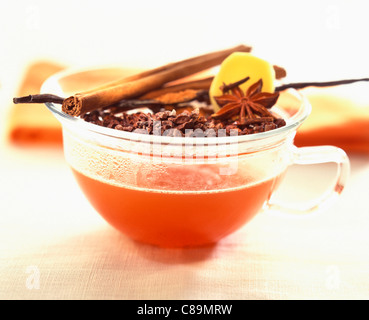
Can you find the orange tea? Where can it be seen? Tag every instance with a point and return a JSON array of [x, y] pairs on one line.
[[201, 210]]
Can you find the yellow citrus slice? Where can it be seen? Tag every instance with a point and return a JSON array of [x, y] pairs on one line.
[[240, 65]]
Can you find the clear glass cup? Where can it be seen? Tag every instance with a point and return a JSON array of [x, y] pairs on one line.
[[184, 192]]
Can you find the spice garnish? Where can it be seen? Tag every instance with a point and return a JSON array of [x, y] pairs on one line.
[[251, 106]]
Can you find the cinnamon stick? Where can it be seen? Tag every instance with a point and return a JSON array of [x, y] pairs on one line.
[[200, 84], [105, 96], [169, 99], [146, 73], [280, 72]]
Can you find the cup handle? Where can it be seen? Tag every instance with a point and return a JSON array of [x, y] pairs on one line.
[[316, 155]]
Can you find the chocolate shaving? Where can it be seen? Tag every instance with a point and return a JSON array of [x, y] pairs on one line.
[[184, 124]]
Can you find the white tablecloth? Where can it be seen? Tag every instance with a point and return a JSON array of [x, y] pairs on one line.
[[54, 245]]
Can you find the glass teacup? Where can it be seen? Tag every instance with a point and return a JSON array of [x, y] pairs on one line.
[[184, 192]]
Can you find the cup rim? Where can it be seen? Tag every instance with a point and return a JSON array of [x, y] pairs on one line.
[[51, 85]]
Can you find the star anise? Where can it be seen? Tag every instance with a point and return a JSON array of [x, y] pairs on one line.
[[251, 107]]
